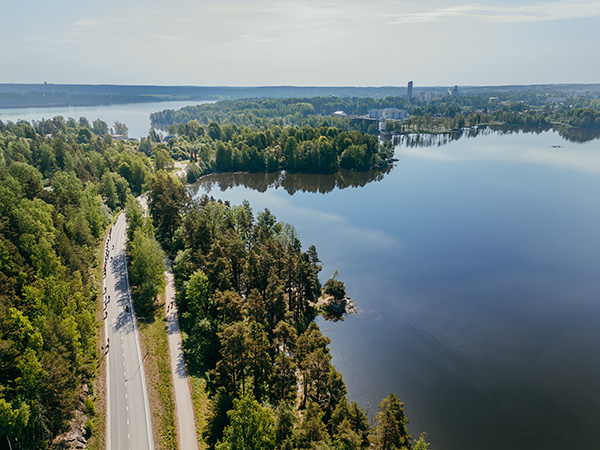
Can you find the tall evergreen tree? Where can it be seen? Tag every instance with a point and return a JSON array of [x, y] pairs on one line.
[[390, 433]]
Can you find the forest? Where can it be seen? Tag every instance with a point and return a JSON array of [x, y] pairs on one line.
[[233, 148], [248, 291], [284, 112], [60, 187], [525, 109], [248, 296]]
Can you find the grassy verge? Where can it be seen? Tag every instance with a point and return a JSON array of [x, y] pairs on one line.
[[202, 406], [154, 343], [97, 440]]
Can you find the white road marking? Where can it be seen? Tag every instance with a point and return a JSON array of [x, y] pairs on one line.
[[118, 284]]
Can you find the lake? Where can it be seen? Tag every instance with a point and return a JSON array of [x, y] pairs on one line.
[[476, 269], [135, 115]]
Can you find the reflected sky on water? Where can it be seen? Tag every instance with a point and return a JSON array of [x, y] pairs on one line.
[[475, 268], [135, 115]]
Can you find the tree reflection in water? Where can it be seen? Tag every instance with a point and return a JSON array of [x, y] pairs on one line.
[[579, 135], [290, 182], [324, 183]]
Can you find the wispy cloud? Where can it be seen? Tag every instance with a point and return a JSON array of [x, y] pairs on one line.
[[558, 10], [255, 39], [282, 41], [434, 15], [86, 23], [169, 37], [76, 32]]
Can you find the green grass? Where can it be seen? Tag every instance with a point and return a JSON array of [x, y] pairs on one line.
[[97, 441], [202, 405], [155, 347]]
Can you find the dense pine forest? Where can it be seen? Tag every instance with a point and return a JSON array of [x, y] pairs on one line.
[[248, 292], [306, 149], [248, 296]]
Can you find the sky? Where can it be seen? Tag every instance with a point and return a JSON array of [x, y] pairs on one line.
[[300, 42]]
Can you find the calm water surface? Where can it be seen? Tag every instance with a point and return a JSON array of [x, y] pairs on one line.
[[476, 267], [135, 115]]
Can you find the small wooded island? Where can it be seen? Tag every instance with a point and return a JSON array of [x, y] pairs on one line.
[[246, 289]]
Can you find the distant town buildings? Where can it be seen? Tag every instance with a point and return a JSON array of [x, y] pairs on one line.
[[388, 113], [377, 117], [409, 90], [428, 96]]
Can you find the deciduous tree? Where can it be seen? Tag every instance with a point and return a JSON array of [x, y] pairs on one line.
[[251, 427]]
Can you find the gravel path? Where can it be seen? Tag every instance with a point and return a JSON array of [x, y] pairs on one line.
[[184, 407]]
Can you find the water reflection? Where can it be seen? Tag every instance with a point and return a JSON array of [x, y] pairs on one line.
[[578, 135], [135, 115], [290, 182], [547, 148], [475, 269]]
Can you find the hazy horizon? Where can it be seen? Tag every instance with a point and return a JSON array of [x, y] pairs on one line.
[[416, 86]]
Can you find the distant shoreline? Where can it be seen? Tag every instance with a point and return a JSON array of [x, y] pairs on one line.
[[94, 104]]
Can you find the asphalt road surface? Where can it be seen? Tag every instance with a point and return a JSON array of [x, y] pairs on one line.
[[128, 414]]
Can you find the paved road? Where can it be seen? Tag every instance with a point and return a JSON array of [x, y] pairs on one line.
[[183, 399], [128, 414]]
